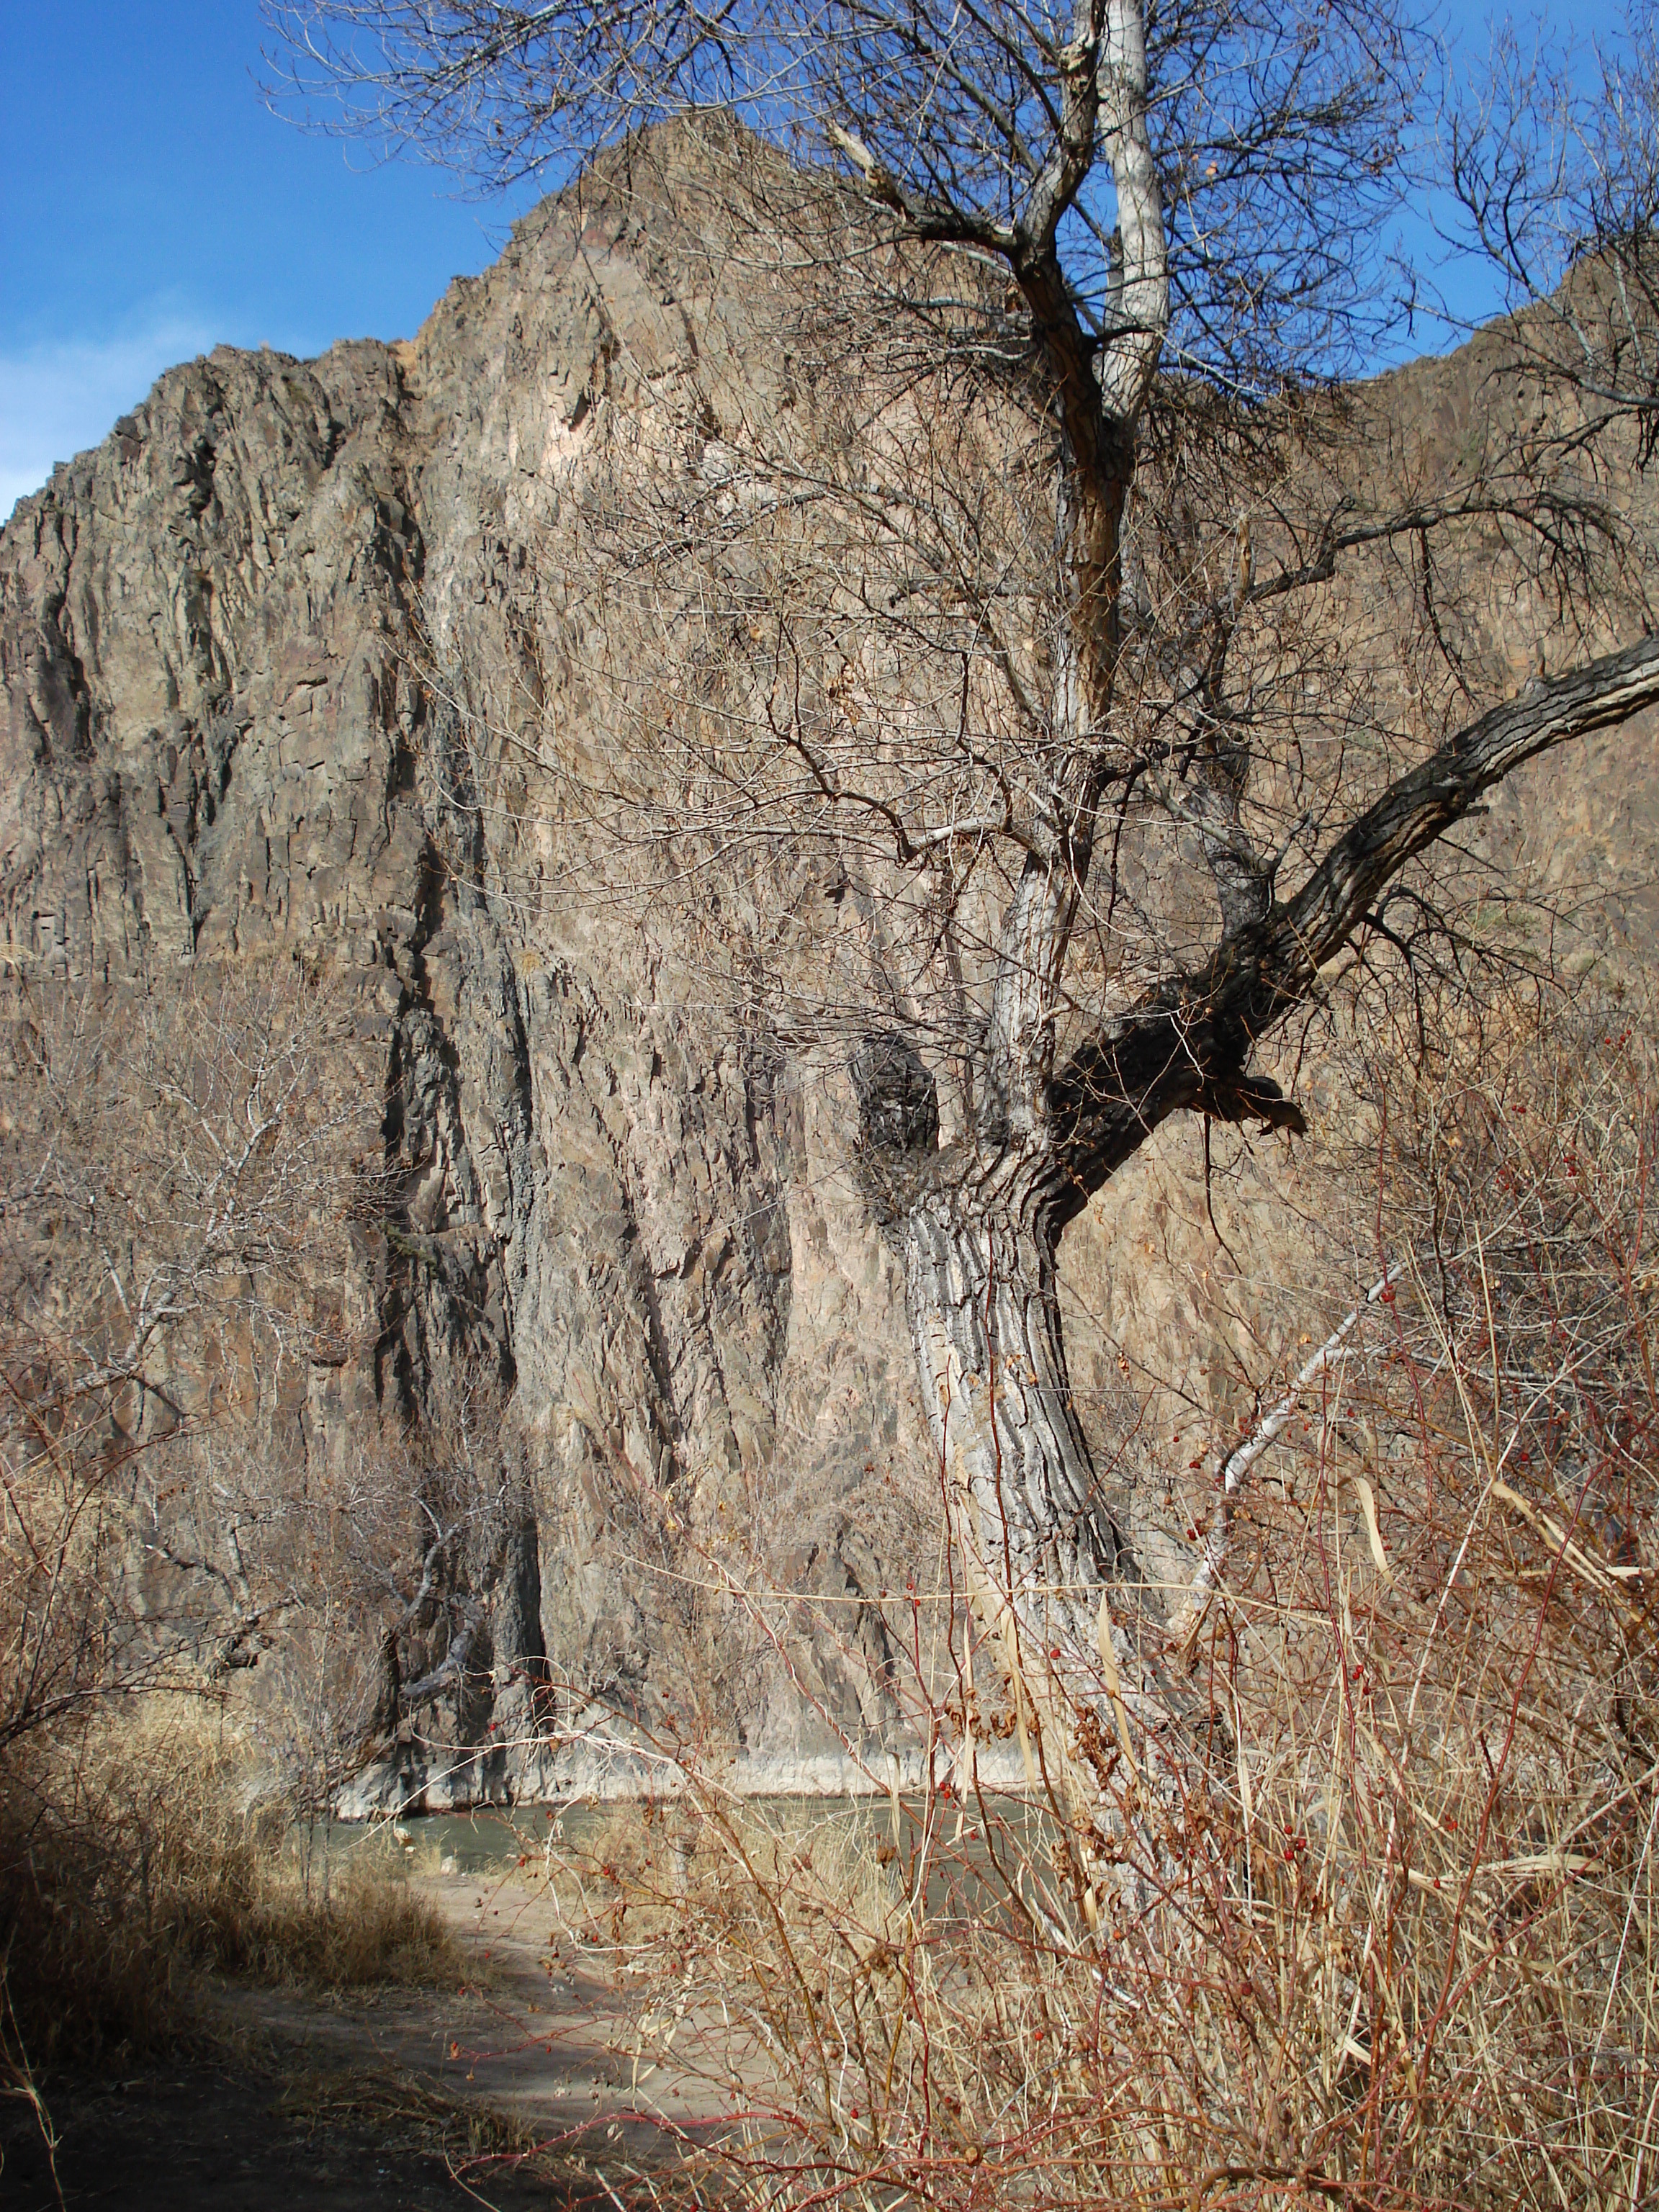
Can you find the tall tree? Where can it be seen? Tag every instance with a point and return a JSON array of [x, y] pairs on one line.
[[1181, 205]]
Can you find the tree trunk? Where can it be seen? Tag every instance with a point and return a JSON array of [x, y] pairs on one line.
[[1048, 1568], [981, 1295], [1107, 1732]]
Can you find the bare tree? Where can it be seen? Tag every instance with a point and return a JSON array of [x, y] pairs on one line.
[[170, 1162], [1553, 162], [1066, 614]]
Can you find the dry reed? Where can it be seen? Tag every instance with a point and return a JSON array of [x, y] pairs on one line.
[[135, 1855], [1402, 1950]]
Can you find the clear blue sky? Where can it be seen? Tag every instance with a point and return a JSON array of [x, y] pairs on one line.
[[150, 208]]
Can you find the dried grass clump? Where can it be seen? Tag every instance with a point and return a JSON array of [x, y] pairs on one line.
[[135, 1855]]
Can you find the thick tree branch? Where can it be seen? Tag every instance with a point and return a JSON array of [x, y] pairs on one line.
[[1098, 392], [1138, 319], [924, 216], [451, 1670], [1187, 1043], [1423, 804]]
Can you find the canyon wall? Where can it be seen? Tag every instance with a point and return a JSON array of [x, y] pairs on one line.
[[626, 1257]]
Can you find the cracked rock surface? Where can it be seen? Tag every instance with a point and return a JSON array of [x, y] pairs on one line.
[[625, 1220], [619, 1220]]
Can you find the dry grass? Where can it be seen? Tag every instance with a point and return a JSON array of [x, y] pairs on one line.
[[1401, 1949], [132, 1858], [1398, 1948], [472, 2140]]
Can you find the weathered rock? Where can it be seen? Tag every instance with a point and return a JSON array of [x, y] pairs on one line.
[[625, 1219], [618, 1218]]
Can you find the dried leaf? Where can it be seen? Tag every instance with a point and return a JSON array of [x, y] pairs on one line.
[[1114, 1682], [1368, 1507]]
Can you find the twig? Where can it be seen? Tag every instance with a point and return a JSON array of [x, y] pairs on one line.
[[1183, 1629]]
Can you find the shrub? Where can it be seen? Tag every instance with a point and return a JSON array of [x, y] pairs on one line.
[[1399, 1950], [137, 1854]]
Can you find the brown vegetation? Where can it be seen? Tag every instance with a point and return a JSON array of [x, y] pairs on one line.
[[1404, 1957], [171, 1160], [176, 1164], [1037, 693], [138, 1852]]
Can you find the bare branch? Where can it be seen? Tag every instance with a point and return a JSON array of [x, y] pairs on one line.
[[1235, 1471]]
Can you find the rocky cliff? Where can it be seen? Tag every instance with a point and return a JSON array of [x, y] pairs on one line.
[[626, 1249]]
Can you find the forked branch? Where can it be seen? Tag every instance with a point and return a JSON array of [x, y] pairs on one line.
[[1187, 1043]]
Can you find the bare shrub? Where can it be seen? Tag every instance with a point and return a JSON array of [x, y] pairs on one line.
[[183, 1163], [1399, 1951], [173, 1161]]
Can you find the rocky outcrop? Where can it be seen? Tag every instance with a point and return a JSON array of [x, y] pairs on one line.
[[626, 1246], [618, 1221]]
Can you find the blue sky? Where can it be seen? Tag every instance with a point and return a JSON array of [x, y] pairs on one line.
[[150, 208]]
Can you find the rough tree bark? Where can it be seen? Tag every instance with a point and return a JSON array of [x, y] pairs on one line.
[[993, 133], [977, 1226]]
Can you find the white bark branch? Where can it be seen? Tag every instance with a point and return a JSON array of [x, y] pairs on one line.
[[1140, 306], [1235, 1468]]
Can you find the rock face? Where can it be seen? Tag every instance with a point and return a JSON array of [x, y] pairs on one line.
[[624, 1225], [627, 1240]]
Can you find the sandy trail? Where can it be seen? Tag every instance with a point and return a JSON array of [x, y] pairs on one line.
[[316, 2102], [336, 2105], [536, 2032]]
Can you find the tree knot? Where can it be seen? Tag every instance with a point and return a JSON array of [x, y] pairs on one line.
[[1251, 1098], [898, 1099]]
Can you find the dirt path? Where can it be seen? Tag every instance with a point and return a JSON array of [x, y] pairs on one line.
[[228, 2138], [389, 2101], [531, 2033]]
